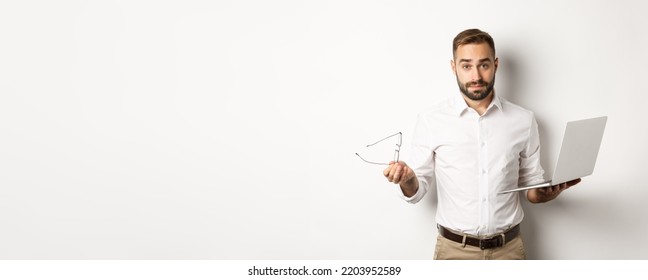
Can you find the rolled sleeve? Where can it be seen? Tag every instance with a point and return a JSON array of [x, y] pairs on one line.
[[531, 171], [420, 193], [421, 160]]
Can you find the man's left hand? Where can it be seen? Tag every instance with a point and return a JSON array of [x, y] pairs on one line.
[[540, 195]]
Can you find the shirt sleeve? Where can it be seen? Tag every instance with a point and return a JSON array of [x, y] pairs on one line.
[[531, 171], [421, 160]]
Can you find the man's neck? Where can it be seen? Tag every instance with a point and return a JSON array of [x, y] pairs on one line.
[[480, 105]]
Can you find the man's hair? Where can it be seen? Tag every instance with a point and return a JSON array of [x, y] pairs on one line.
[[472, 36]]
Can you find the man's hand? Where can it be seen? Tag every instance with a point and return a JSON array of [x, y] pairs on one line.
[[541, 195], [400, 173]]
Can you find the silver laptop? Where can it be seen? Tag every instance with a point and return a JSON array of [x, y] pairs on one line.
[[578, 152]]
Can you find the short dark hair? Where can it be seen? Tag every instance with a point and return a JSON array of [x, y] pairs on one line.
[[472, 36]]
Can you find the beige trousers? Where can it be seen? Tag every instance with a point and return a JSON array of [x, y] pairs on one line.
[[449, 250]]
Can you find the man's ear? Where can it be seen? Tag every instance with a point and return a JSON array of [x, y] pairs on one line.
[[496, 63], [452, 67]]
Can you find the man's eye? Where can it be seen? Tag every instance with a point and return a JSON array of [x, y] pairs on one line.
[[466, 67], [485, 66]]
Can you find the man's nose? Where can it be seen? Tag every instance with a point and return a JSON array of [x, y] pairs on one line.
[[475, 75]]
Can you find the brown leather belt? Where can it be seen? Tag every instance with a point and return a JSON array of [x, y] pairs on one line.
[[486, 243]]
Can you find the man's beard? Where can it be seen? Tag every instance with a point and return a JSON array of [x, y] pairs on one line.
[[479, 94]]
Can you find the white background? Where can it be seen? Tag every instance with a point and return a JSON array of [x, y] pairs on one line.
[[227, 129]]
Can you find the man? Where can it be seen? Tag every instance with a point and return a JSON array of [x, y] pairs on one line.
[[476, 144]]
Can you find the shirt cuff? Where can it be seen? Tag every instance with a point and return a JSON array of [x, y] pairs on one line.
[[422, 189]]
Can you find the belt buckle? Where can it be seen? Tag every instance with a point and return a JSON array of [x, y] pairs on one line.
[[490, 243]]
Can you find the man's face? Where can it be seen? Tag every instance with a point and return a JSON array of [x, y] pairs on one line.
[[475, 66]]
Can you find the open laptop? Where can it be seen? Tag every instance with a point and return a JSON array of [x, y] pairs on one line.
[[578, 152]]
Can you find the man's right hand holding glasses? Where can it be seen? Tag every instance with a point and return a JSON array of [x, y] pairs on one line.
[[400, 173], [397, 171]]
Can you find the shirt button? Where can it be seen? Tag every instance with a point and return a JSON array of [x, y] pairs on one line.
[[483, 171], [483, 144]]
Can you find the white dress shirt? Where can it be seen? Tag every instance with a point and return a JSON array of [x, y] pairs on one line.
[[473, 158]]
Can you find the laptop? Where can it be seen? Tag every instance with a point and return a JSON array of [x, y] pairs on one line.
[[578, 152]]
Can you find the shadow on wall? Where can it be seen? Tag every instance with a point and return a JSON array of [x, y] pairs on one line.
[[530, 231], [510, 76], [592, 231]]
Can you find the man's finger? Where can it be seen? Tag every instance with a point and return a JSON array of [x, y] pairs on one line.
[[387, 170], [397, 172], [573, 182]]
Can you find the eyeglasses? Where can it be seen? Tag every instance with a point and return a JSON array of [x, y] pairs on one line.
[[396, 152]]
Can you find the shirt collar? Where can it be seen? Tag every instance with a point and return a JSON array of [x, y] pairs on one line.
[[460, 105]]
